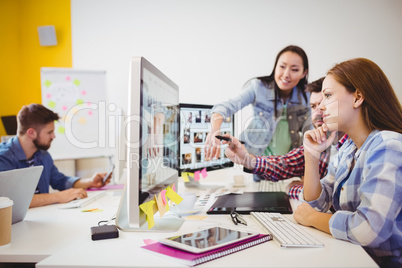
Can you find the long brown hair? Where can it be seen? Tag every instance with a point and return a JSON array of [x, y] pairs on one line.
[[381, 108]]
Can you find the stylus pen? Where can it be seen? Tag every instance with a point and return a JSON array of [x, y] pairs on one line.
[[219, 137]]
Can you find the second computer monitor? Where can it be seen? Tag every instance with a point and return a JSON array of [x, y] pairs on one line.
[[195, 124]]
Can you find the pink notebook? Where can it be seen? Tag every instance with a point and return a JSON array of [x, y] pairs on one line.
[[192, 259]]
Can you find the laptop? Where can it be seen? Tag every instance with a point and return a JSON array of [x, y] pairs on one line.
[[10, 124], [252, 202], [19, 185]]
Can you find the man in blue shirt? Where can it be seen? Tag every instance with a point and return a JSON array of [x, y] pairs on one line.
[[29, 147]]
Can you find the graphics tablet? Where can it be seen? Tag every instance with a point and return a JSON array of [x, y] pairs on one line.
[[252, 201], [206, 240]]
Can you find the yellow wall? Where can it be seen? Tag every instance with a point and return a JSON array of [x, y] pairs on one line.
[[21, 56]]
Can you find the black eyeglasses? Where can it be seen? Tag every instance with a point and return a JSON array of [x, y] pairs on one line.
[[237, 218]]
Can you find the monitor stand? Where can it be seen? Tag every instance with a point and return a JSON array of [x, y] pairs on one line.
[[170, 223]]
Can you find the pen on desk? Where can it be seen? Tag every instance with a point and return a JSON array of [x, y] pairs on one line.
[[219, 137]]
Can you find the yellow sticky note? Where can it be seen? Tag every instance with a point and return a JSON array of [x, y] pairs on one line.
[[80, 102], [47, 83], [184, 175], [76, 82], [148, 209], [172, 195], [61, 130]]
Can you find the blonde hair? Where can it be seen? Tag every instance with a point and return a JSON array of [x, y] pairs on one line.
[[381, 108]]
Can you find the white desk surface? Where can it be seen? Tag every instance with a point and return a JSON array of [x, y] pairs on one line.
[[61, 238]]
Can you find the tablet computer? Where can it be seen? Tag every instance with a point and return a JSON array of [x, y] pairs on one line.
[[206, 240]]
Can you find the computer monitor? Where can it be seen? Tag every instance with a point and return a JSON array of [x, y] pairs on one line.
[[152, 144], [195, 124]]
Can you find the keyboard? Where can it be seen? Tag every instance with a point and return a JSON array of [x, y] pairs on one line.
[[271, 186], [287, 233], [77, 203]]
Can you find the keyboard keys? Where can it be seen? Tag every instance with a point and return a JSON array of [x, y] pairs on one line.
[[271, 186]]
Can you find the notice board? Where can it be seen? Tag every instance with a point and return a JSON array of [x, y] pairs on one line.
[[80, 99]]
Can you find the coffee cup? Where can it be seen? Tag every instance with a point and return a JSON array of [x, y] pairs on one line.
[[6, 205], [238, 180], [188, 201]]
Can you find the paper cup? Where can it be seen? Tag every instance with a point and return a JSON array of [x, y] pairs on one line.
[[6, 205]]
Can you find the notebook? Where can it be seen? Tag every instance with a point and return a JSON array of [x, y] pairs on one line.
[[19, 185], [252, 202], [192, 259]]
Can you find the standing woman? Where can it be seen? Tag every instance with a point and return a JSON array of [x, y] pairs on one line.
[[365, 189], [280, 108]]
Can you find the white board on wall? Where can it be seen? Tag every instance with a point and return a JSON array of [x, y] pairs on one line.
[[79, 97]]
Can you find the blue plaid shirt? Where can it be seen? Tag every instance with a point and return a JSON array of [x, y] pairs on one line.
[[367, 198]]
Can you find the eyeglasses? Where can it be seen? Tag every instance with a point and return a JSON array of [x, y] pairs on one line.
[[237, 218]]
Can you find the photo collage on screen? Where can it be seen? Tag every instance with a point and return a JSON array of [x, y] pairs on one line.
[[195, 124]]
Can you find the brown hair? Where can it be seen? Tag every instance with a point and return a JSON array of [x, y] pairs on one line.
[[315, 86], [381, 108], [34, 116]]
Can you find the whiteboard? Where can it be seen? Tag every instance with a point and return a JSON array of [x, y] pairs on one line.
[[80, 99]]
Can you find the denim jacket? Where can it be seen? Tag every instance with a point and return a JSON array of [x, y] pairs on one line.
[[261, 127]]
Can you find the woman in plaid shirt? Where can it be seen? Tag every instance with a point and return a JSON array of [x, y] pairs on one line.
[[364, 186]]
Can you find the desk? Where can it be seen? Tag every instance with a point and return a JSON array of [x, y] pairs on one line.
[[61, 238]]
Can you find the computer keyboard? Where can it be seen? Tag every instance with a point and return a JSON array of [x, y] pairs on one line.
[[77, 203], [271, 186], [284, 231]]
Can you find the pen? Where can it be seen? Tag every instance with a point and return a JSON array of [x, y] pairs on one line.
[[219, 137]]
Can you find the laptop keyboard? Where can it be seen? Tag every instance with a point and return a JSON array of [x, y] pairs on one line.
[[284, 231]]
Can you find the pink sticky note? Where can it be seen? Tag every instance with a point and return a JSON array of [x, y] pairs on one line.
[[163, 196], [90, 113], [64, 108], [149, 241], [48, 96], [204, 173], [83, 92], [68, 78], [196, 176], [174, 187]]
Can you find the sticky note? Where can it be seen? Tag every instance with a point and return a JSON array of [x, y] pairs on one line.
[[196, 176], [162, 208], [184, 175], [172, 195], [80, 102], [47, 83], [68, 78], [61, 130], [48, 96], [77, 82], [148, 209], [163, 196], [51, 104], [82, 120], [204, 173], [149, 241], [195, 217], [83, 92]]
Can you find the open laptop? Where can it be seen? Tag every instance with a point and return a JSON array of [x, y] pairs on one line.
[[252, 202], [19, 185]]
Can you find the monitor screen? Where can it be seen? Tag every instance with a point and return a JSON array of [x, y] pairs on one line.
[[151, 131], [194, 127]]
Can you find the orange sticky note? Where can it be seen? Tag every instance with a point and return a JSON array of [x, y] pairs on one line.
[[162, 208]]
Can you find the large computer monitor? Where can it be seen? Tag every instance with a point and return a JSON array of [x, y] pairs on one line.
[[195, 124], [151, 131]]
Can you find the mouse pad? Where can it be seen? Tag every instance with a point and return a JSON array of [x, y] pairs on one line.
[[252, 201]]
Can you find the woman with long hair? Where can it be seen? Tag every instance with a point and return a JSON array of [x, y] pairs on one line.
[[364, 186]]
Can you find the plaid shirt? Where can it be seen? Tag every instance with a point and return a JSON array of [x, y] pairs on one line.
[[291, 165], [368, 197]]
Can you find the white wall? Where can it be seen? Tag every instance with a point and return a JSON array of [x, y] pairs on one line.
[[211, 47]]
